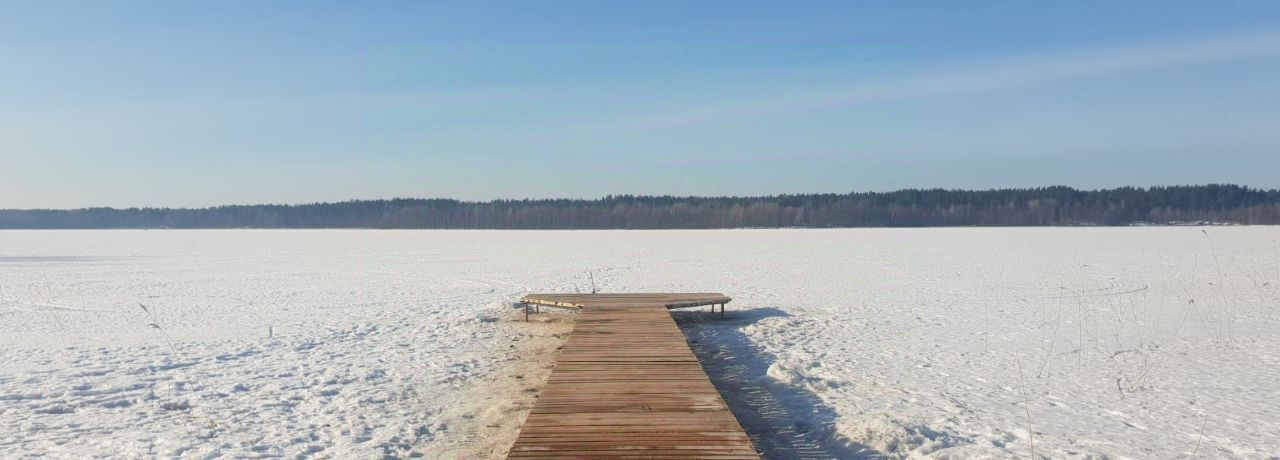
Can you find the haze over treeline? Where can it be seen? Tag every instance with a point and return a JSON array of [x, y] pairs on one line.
[[903, 208]]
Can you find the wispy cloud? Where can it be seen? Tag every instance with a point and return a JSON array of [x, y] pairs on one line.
[[1012, 73]]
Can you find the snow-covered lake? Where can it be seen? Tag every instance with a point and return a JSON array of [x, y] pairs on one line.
[[954, 343]]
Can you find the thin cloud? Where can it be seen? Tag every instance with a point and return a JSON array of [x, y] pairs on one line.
[[995, 76]]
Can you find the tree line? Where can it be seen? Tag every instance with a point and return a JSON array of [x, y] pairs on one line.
[[903, 208]]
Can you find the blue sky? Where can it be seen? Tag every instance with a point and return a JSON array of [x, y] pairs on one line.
[[205, 103]]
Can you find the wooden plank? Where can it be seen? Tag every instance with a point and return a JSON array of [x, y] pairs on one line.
[[668, 300], [626, 385]]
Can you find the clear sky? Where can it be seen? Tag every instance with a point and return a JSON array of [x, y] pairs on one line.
[[203, 103]]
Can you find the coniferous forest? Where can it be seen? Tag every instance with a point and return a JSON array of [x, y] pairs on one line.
[[902, 208]]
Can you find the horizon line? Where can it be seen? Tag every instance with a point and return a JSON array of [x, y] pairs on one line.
[[622, 195]]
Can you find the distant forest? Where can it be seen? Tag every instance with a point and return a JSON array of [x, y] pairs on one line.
[[903, 208]]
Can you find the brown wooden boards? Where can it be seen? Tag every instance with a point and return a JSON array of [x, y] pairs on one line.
[[626, 385], [668, 300]]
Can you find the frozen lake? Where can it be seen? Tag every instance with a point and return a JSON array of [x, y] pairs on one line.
[[1155, 342]]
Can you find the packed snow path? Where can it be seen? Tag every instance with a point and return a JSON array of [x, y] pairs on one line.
[[626, 385]]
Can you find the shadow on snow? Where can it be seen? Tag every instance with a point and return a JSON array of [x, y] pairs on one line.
[[784, 421]]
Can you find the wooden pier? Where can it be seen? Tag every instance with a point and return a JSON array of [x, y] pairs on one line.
[[626, 385]]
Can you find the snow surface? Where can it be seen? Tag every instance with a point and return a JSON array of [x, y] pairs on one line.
[[1148, 342]]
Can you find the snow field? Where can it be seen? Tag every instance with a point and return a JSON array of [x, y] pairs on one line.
[[904, 343]]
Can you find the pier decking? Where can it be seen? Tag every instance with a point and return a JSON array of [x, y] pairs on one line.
[[626, 385]]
